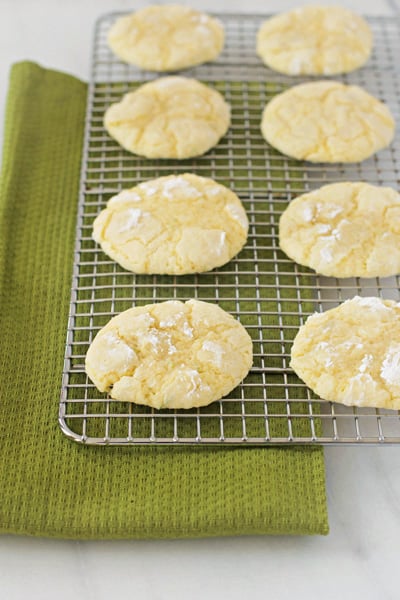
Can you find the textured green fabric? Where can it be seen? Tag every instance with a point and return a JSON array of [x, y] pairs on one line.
[[50, 486]]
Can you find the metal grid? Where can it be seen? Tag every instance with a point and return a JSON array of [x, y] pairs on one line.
[[267, 292]]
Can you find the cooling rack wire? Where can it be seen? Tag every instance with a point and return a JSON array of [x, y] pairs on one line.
[[267, 292]]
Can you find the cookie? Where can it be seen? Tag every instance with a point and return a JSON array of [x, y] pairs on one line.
[[173, 225], [351, 354], [171, 117], [327, 121], [315, 40], [344, 230], [170, 355], [166, 38]]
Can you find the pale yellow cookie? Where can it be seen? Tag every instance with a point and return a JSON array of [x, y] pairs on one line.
[[327, 121], [173, 225], [351, 354], [315, 40], [170, 355], [166, 38], [344, 230], [171, 117]]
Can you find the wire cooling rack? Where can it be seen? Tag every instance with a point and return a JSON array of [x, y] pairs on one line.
[[267, 292]]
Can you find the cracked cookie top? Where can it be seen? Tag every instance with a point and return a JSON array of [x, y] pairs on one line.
[[315, 40], [351, 354], [327, 121], [173, 225], [347, 229], [166, 38], [170, 355], [170, 117]]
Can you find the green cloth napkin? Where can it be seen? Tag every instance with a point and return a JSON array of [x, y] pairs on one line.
[[50, 486]]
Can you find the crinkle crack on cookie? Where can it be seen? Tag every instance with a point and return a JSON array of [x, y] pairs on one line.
[[348, 229], [171, 117], [327, 121], [170, 355], [315, 40], [351, 354], [166, 38], [173, 225]]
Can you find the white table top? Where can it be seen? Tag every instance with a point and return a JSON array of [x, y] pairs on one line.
[[359, 558]]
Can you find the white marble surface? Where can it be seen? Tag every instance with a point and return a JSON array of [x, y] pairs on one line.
[[359, 559]]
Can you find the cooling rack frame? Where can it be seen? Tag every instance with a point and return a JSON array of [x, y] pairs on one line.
[[266, 291]]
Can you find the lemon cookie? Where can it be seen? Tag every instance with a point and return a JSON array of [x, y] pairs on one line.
[[344, 230], [171, 117], [327, 121], [173, 225], [315, 40], [166, 38], [170, 355], [351, 354]]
